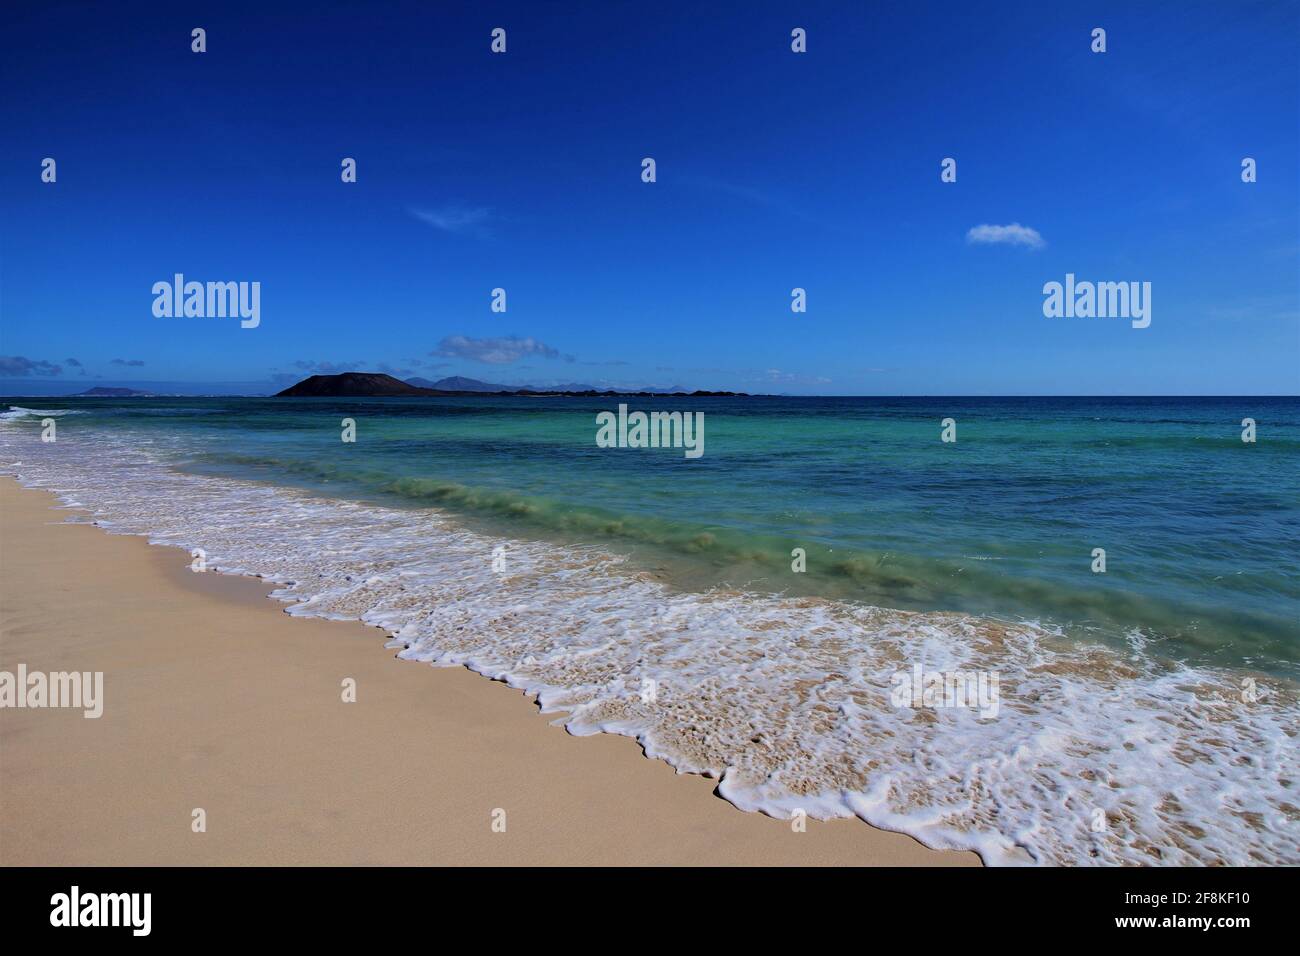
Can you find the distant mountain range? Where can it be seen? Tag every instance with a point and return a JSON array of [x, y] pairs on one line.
[[379, 385], [458, 383]]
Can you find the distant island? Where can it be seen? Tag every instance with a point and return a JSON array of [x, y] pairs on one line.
[[103, 391], [458, 383], [379, 385]]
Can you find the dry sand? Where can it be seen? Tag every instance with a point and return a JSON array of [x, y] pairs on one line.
[[215, 698]]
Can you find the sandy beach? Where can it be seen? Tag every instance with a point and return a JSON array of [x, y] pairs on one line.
[[214, 698]]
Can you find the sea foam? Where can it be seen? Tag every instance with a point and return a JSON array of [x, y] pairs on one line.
[[18, 412]]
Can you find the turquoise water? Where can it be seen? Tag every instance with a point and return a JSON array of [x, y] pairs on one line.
[[1199, 528]]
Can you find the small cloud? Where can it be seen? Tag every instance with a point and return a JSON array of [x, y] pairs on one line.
[[315, 367], [499, 351], [456, 219], [75, 363], [755, 197], [794, 378], [133, 363], [17, 366], [1012, 235], [328, 368]]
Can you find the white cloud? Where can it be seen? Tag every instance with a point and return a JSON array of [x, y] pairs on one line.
[[1012, 235], [329, 368], [455, 219], [497, 351], [794, 378]]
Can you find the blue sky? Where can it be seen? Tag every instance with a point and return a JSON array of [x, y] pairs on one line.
[[775, 170]]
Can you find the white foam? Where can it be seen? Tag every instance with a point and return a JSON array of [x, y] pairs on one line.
[[786, 701], [17, 412]]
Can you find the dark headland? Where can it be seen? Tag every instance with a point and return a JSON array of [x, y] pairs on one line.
[[105, 391], [379, 385]]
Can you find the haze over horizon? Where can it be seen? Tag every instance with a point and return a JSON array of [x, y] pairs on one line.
[[66, 388], [775, 170]]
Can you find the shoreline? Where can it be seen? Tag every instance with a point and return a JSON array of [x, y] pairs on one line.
[[215, 698]]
